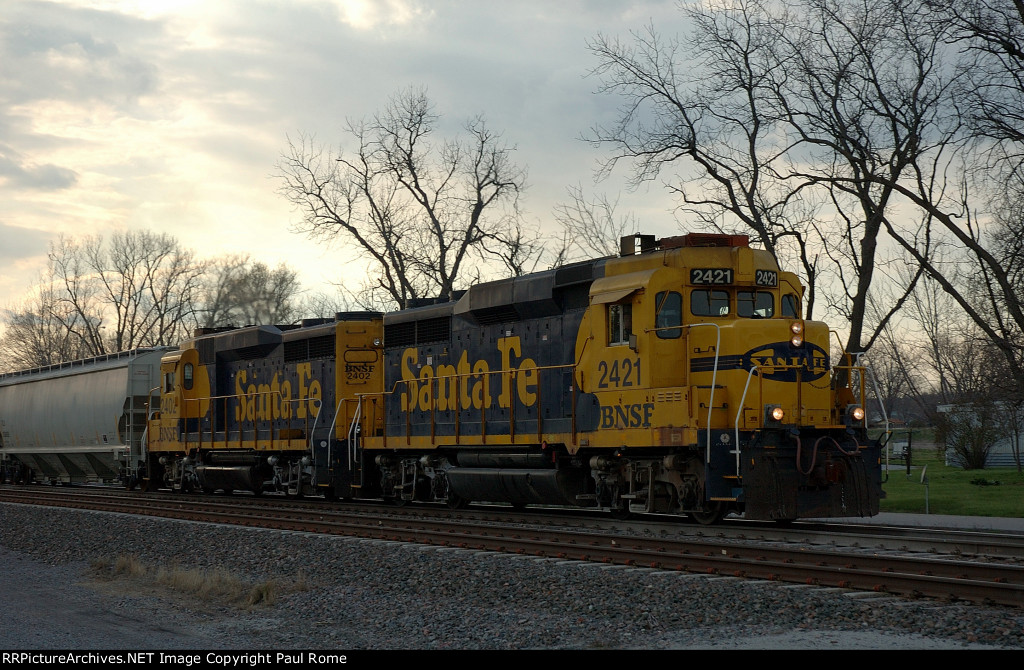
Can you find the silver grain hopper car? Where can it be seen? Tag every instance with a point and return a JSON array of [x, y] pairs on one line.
[[78, 422]]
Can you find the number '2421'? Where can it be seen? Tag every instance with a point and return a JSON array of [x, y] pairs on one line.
[[617, 373]]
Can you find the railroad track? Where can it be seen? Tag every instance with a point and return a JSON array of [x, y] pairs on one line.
[[870, 560]]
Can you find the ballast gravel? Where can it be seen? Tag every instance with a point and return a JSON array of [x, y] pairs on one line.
[[344, 594]]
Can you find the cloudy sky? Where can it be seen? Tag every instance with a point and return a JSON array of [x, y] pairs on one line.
[[169, 115]]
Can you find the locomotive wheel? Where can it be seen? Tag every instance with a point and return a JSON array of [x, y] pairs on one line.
[[456, 501], [149, 476], [712, 515], [621, 513]]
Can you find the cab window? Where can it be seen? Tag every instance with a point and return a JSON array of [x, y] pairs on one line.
[[620, 323], [669, 314], [168, 382], [755, 304], [705, 302], [187, 376], [790, 306]]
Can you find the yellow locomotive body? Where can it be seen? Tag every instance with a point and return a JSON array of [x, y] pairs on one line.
[[681, 379], [263, 408]]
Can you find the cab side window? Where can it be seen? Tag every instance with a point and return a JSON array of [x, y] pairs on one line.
[[187, 376], [790, 306], [168, 382], [620, 323], [668, 314]]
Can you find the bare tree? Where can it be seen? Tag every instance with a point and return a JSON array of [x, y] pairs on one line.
[[417, 208], [791, 122], [972, 192], [35, 336], [140, 288], [706, 106], [323, 305], [591, 227], [77, 304], [971, 431], [238, 291]]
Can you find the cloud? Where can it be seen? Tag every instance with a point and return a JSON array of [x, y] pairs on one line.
[[15, 173], [22, 242], [170, 116], [64, 52], [373, 14]]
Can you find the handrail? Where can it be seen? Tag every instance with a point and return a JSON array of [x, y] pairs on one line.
[[149, 416], [714, 380], [878, 395], [316, 419], [743, 399], [757, 368], [187, 402], [353, 429]]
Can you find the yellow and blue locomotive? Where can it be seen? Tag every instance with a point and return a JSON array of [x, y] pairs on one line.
[[678, 378], [262, 408]]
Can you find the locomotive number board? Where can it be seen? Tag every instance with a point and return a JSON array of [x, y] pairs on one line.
[[711, 275], [719, 276], [766, 278]]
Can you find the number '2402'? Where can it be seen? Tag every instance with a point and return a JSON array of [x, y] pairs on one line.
[[617, 373]]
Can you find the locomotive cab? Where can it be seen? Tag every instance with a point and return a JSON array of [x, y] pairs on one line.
[[705, 358]]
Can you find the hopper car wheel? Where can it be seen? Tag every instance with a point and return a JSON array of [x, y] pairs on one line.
[[712, 515]]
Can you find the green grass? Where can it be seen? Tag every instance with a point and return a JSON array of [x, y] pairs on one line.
[[950, 490]]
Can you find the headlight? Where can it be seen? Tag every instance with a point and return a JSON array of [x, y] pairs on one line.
[[773, 413], [856, 413], [797, 328]]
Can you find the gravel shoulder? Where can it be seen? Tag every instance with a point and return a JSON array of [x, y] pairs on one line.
[[343, 594]]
